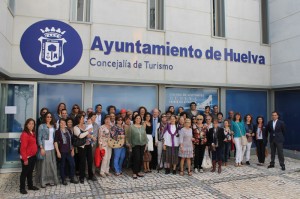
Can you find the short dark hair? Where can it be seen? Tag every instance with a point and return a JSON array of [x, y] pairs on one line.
[[206, 107], [97, 106], [260, 116], [77, 119], [68, 119], [220, 113], [193, 103], [215, 106], [111, 106], [42, 110], [275, 112]]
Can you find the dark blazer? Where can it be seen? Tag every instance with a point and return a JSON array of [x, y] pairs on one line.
[[190, 115], [264, 134], [278, 134], [220, 135]]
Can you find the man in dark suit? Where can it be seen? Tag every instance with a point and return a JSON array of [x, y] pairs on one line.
[[276, 129], [99, 115], [155, 121]]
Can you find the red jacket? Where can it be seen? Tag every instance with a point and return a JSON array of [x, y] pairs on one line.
[[28, 145]]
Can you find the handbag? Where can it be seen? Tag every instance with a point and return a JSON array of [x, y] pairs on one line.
[[77, 142], [206, 163], [98, 156], [112, 143], [147, 156], [244, 140]]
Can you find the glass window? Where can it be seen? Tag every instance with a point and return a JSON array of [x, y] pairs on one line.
[[218, 11], [288, 107], [264, 22], [11, 6], [244, 102], [128, 97], [156, 14], [184, 96], [81, 10], [51, 94]]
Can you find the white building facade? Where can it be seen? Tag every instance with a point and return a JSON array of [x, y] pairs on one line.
[[239, 55]]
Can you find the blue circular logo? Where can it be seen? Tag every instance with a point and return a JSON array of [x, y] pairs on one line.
[[51, 47]]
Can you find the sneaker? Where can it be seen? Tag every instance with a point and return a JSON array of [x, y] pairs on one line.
[[201, 170], [196, 170]]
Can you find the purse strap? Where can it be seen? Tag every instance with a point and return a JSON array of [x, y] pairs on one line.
[[239, 129]]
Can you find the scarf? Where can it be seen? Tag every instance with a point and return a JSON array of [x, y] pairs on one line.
[[64, 137], [161, 131], [172, 135]]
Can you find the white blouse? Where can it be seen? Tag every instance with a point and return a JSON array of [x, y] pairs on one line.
[[49, 144], [168, 137]]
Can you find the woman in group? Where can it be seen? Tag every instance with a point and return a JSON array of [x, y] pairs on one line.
[[60, 107], [227, 142], [70, 126], [249, 134], [171, 145], [149, 128], [40, 119], [180, 123], [186, 146], [75, 111], [81, 132], [199, 135], [137, 140], [28, 149], [171, 109], [215, 139], [65, 151], [46, 166], [118, 132], [142, 112], [238, 127], [260, 139], [103, 136]]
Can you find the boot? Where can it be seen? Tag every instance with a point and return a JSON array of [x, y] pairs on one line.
[[214, 166], [220, 167]]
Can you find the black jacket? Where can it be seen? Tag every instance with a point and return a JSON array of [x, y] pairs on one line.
[[278, 134], [220, 135], [264, 134]]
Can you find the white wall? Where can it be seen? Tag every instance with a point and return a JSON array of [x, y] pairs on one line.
[[187, 23], [6, 35], [285, 42]]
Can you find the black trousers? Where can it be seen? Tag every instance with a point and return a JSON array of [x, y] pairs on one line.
[[153, 163], [199, 155], [279, 147], [27, 172], [260, 151], [85, 155], [137, 158]]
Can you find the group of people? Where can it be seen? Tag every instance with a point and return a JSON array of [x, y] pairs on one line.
[[170, 141]]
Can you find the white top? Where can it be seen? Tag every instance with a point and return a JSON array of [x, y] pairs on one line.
[[168, 138], [49, 144], [88, 126], [259, 135], [98, 119], [274, 124]]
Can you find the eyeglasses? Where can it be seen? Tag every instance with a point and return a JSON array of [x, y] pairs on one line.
[[44, 112], [75, 108], [199, 119]]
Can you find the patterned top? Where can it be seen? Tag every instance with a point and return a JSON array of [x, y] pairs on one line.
[[115, 131], [103, 136], [199, 133]]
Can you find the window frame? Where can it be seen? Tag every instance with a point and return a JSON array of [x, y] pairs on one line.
[[148, 17], [73, 12], [11, 10], [212, 20]]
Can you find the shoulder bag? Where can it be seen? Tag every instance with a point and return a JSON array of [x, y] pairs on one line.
[[76, 141], [118, 143]]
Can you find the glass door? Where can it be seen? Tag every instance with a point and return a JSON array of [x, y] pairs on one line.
[[17, 103]]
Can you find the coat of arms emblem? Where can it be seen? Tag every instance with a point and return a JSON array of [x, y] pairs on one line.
[[52, 51]]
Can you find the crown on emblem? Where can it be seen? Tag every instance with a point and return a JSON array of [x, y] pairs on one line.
[[52, 33]]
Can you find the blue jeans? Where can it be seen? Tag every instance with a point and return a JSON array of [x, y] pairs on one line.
[[119, 156], [67, 157], [227, 146]]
